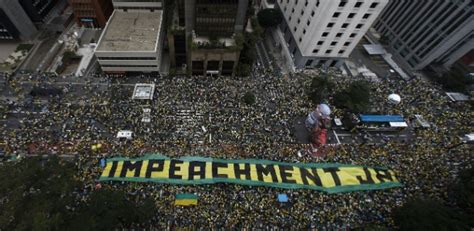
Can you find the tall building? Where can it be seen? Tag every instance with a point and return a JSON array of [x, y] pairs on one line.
[[317, 33], [92, 13], [204, 36], [37, 10], [428, 32], [15, 24], [132, 39]]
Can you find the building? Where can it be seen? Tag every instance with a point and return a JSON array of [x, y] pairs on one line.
[[132, 39], [205, 36], [92, 13], [37, 10], [126, 5], [428, 33], [323, 33], [15, 24]]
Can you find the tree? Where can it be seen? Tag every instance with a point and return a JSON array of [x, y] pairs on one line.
[[464, 190], [355, 98], [249, 98], [454, 81], [41, 194], [37, 193], [269, 17], [428, 215], [243, 69], [109, 210], [319, 90]]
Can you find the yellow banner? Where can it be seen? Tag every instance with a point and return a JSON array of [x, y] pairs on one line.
[[330, 178]]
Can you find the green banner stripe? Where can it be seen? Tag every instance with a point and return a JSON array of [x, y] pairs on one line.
[[186, 196], [336, 189]]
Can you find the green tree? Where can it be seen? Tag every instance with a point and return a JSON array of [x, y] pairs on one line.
[[249, 98], [428, 215], [319, 90], [464, 190], [41, 194], [269, 17], [36, 194], [355, 98], [109, 210], [454, 81]]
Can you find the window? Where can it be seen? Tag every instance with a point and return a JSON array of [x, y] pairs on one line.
[[300, 39], [342, 3], [333, 43], [345, 25], [335, 15], [308, 22], [312, 13], [299, 21], [320, 43], [302, 12], [358, 4], [347, 44], [325, 34], [366, 16], [331, 24], [315, 51], [353, 35], [373, 5], [328, 51], [351, 15], [304, 31], [293, 10], [294, 29], [338, 35], [309, 62], [359, 26], [342, 51]]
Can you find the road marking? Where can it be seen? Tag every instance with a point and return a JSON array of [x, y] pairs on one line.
[[337, 138]]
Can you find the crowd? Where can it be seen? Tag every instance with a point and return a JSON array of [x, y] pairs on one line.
[[213, 121]]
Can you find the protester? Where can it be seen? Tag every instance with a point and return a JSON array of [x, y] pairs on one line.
[[204, 116]]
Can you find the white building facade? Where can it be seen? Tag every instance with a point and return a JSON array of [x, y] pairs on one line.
[[323, 33]]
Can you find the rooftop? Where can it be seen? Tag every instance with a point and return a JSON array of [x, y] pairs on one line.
[[131, 31]]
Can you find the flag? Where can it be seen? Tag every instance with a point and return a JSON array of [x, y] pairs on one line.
[[186, 199], [282, 198]]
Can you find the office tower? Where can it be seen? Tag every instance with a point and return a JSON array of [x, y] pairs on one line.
[[15, 24], [203, 35], [132, 39], [92, 13], [37, 10], [323, 33], [427, 32]]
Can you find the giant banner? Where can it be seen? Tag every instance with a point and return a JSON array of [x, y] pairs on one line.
[[327, 177]]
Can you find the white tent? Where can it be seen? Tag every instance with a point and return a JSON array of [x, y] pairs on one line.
[[394, 98], [125, 134]]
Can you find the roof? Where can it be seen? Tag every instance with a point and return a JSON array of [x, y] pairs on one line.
[[143, 91], [374, 49], [131, 31], [381, 118], [456, 96]]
